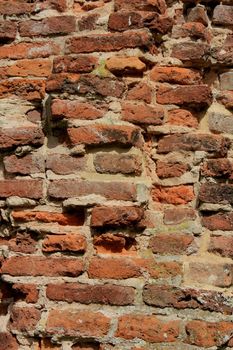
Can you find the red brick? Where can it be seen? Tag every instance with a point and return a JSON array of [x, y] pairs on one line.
[[32, 90], [142, 114], [63, 164], [216, 193], [19, 136], [26, 291], [122, 268], [29, 50], [141, 5], [178, 215], [219, 275], [108, 243], [74, 188], [186, 298], [14, 7], [19, 7], [88, 22], [77, 323], [29, 164], [215, 144], [21, 188], [223, 15], [170, 169], [90, 5], [182, 117], [116, 216], [191, 52], [23, 242], [64, 243], [120, 65], [48, 26], [104, 134], [62, 82], [172, 244], [158, 23], [208, 334], [221, 245], [8, 30], [219, 221], [163, 269], [125, 20], [50, 217], [148, 328], [193, 30], [194, 95], [24, 319], [115, 268], [173, 195], [108, 42], [59, 5], [140, 92], [91, 294], [75, 110], [129, 164], [34, 115], [24, 68], [175, 75], [41, 266], [70, 64], [8, 341]]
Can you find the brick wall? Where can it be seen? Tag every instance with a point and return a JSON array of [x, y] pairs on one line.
[[116, 174]]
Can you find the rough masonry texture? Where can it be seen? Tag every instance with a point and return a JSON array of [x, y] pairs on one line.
[[116, 176]]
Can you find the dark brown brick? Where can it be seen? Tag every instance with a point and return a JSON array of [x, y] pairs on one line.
[[116, 216], [172, 244], [8, 30], [118, 163], [48, 26], [142, 114], [88, 294], [215, 144], [24, 319], [192, 95], [64, 164], [184, 298], [74, 188], [104, 134], [109, 42], [222, 245], [216, 193], [70, 64]]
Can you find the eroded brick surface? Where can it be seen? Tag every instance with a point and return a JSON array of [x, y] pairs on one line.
[[116, 171]]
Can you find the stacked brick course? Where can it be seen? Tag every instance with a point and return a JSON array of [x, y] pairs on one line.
[[116, 178]]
